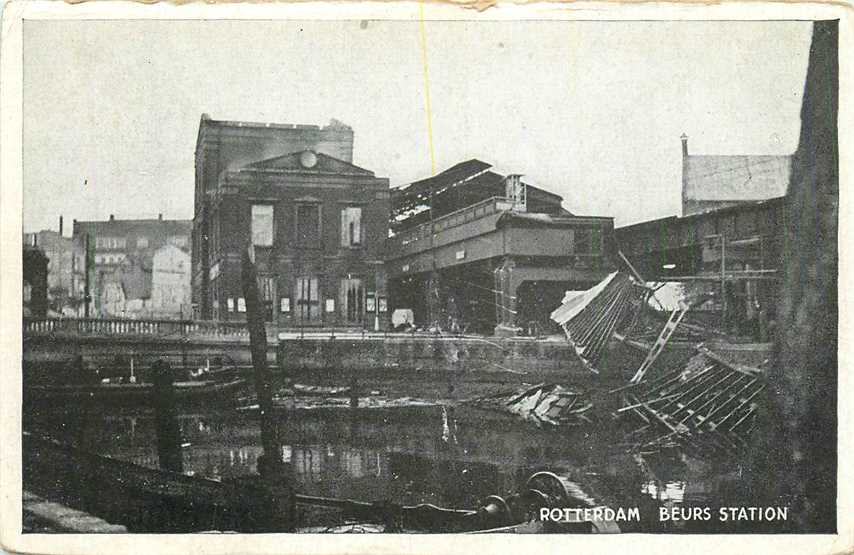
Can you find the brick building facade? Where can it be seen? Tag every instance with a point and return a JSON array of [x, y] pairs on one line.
[[316, 222]]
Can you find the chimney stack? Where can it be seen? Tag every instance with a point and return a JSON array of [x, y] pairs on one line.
[[684, 138], [112, 217], [60, 225], [160, 217]]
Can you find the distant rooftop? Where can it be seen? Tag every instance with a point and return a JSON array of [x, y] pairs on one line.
[[710, 182], [120, 225]]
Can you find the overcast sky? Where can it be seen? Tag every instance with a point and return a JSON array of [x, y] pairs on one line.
[[590, 110]]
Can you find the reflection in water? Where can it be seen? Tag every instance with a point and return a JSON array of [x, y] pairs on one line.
[[428, 455], [673, 492]]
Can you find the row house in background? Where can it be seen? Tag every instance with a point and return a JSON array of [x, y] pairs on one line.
[[64, 289], [316, 222], [138, 268]]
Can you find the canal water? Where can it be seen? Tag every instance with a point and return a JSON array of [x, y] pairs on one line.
[[450, 457]]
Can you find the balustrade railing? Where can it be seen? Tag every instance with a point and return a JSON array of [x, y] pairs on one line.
[[128, 327]]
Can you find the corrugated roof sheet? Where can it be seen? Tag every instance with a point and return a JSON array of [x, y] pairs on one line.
[[448, 177]]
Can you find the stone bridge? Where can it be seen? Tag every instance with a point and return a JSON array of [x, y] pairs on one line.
[[48, 342]]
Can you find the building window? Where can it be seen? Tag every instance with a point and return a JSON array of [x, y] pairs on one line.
[[308, 225], [267, 290], [241, 304], [110, 242], [142, 242], [307, 300], [262, 225], [351, 227], [352, 300], [285, 304], [230, 304], [178, 241]]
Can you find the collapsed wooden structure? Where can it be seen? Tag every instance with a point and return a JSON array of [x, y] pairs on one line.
[[707, 406], [590, 318], [549, 404]]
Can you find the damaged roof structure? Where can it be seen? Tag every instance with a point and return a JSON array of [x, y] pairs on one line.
[[472, 248], [461, 185]]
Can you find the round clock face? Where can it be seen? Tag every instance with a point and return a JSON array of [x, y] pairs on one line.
[[308, 159]]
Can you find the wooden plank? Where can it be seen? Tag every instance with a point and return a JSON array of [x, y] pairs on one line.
[[741, 405], [665, 335], [744, 369], [733, 396], [624, 409]]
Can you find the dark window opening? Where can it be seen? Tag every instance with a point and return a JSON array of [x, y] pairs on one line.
[[308, 225]]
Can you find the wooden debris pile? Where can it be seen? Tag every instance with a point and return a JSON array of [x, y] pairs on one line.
[[549, 404], [589, 318], [709, 406], [684, 333]]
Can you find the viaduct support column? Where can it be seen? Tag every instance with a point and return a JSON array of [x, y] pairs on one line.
[[505, 299], [434, 300]]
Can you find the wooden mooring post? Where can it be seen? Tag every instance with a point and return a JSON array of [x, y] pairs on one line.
[[354, 389], [275, 475], [168, 432]]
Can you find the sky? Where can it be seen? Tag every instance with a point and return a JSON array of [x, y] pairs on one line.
[[592, 111]]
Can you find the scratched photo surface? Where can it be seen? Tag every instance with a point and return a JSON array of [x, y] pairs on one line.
[[429, 276]]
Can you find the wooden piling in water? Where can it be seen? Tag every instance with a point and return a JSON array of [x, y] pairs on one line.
[[278, 500], [166, 422]]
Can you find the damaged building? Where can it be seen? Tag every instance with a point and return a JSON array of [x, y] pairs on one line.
[[499, 258], [316, 222], [138, 268], [730, 236]]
